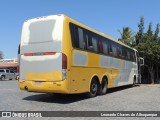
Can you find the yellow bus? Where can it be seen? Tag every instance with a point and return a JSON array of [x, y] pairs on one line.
[[60, 55]]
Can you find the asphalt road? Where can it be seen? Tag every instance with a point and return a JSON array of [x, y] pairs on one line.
[[138, 98]]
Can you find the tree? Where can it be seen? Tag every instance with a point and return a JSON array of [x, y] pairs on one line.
[[148, 48], [127, 36], [139, 35], [148, 45], [1, 55], [156, 38], [156, 33]]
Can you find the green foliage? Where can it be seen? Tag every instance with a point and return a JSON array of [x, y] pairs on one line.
[[127, 36], [147, 43], [139, 35]]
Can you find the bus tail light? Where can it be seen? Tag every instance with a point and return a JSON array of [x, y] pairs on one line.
[[64, 61], [64, 66], [49, 53], [39, 53], [28, 54]]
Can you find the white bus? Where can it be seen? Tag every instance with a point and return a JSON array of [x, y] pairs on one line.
[[61, 55]]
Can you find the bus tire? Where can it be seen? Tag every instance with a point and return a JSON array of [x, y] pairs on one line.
[[103, 87], [93, 88]]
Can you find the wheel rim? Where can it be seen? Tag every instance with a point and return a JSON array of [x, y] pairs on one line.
[[94, 88], [3, 78]]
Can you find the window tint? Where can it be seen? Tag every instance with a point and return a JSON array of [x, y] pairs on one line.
[[1, 70], [86, 40], [74, 34], [124, 53], [100, 45], [77, 35], [91, 42], [128, 55], [81, 39], [132, 55], [7, 71], [11, 71], [114, 49], [105, 46], [119, 51], [110, 49]]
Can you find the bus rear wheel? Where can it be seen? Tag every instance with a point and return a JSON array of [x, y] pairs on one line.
[[103, 87], [93, 88]]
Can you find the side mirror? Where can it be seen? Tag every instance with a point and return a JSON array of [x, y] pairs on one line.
[[141, 61]]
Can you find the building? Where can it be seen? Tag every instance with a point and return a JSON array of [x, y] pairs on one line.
[[9, 63]]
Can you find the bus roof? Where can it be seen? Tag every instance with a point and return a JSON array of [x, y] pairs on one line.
[[84, 26]]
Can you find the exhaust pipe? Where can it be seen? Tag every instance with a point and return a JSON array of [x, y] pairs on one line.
[[26, 88]]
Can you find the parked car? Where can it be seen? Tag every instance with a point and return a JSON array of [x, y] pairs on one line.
[[16, 76], [7, 74]]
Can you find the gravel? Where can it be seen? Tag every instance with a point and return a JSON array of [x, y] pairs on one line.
[[138, 98]]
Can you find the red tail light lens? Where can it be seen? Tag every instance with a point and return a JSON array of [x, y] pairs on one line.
[[28, 54], [39, 53], [49, 53], [64, 61]]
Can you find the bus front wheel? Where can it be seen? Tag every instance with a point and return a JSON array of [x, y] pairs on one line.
[[93, 88]]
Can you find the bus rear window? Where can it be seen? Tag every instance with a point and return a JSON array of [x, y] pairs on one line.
[[40, 31]]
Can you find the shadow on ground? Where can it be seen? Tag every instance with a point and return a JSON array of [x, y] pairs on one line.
[[66, 99]]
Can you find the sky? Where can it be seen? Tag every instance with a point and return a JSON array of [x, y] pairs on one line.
[[107, 16]]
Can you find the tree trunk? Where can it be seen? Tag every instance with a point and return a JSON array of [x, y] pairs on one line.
[[152, 77], [157, 73], [151, 72]]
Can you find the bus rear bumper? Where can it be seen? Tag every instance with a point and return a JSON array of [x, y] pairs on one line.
[[44, 87]]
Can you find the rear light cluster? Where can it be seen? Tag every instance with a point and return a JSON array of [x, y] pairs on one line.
[[64, 61], [64, 66], [41, 53]]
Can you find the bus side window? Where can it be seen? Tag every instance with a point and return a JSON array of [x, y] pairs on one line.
[[89, 43], [82, 43], [74, 34], [133, 58], [114, 49], [110, 49], [105, 46], [77, 36], [124, 53], [119, 51], [100, 44], [128, 54], [92, 42]]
